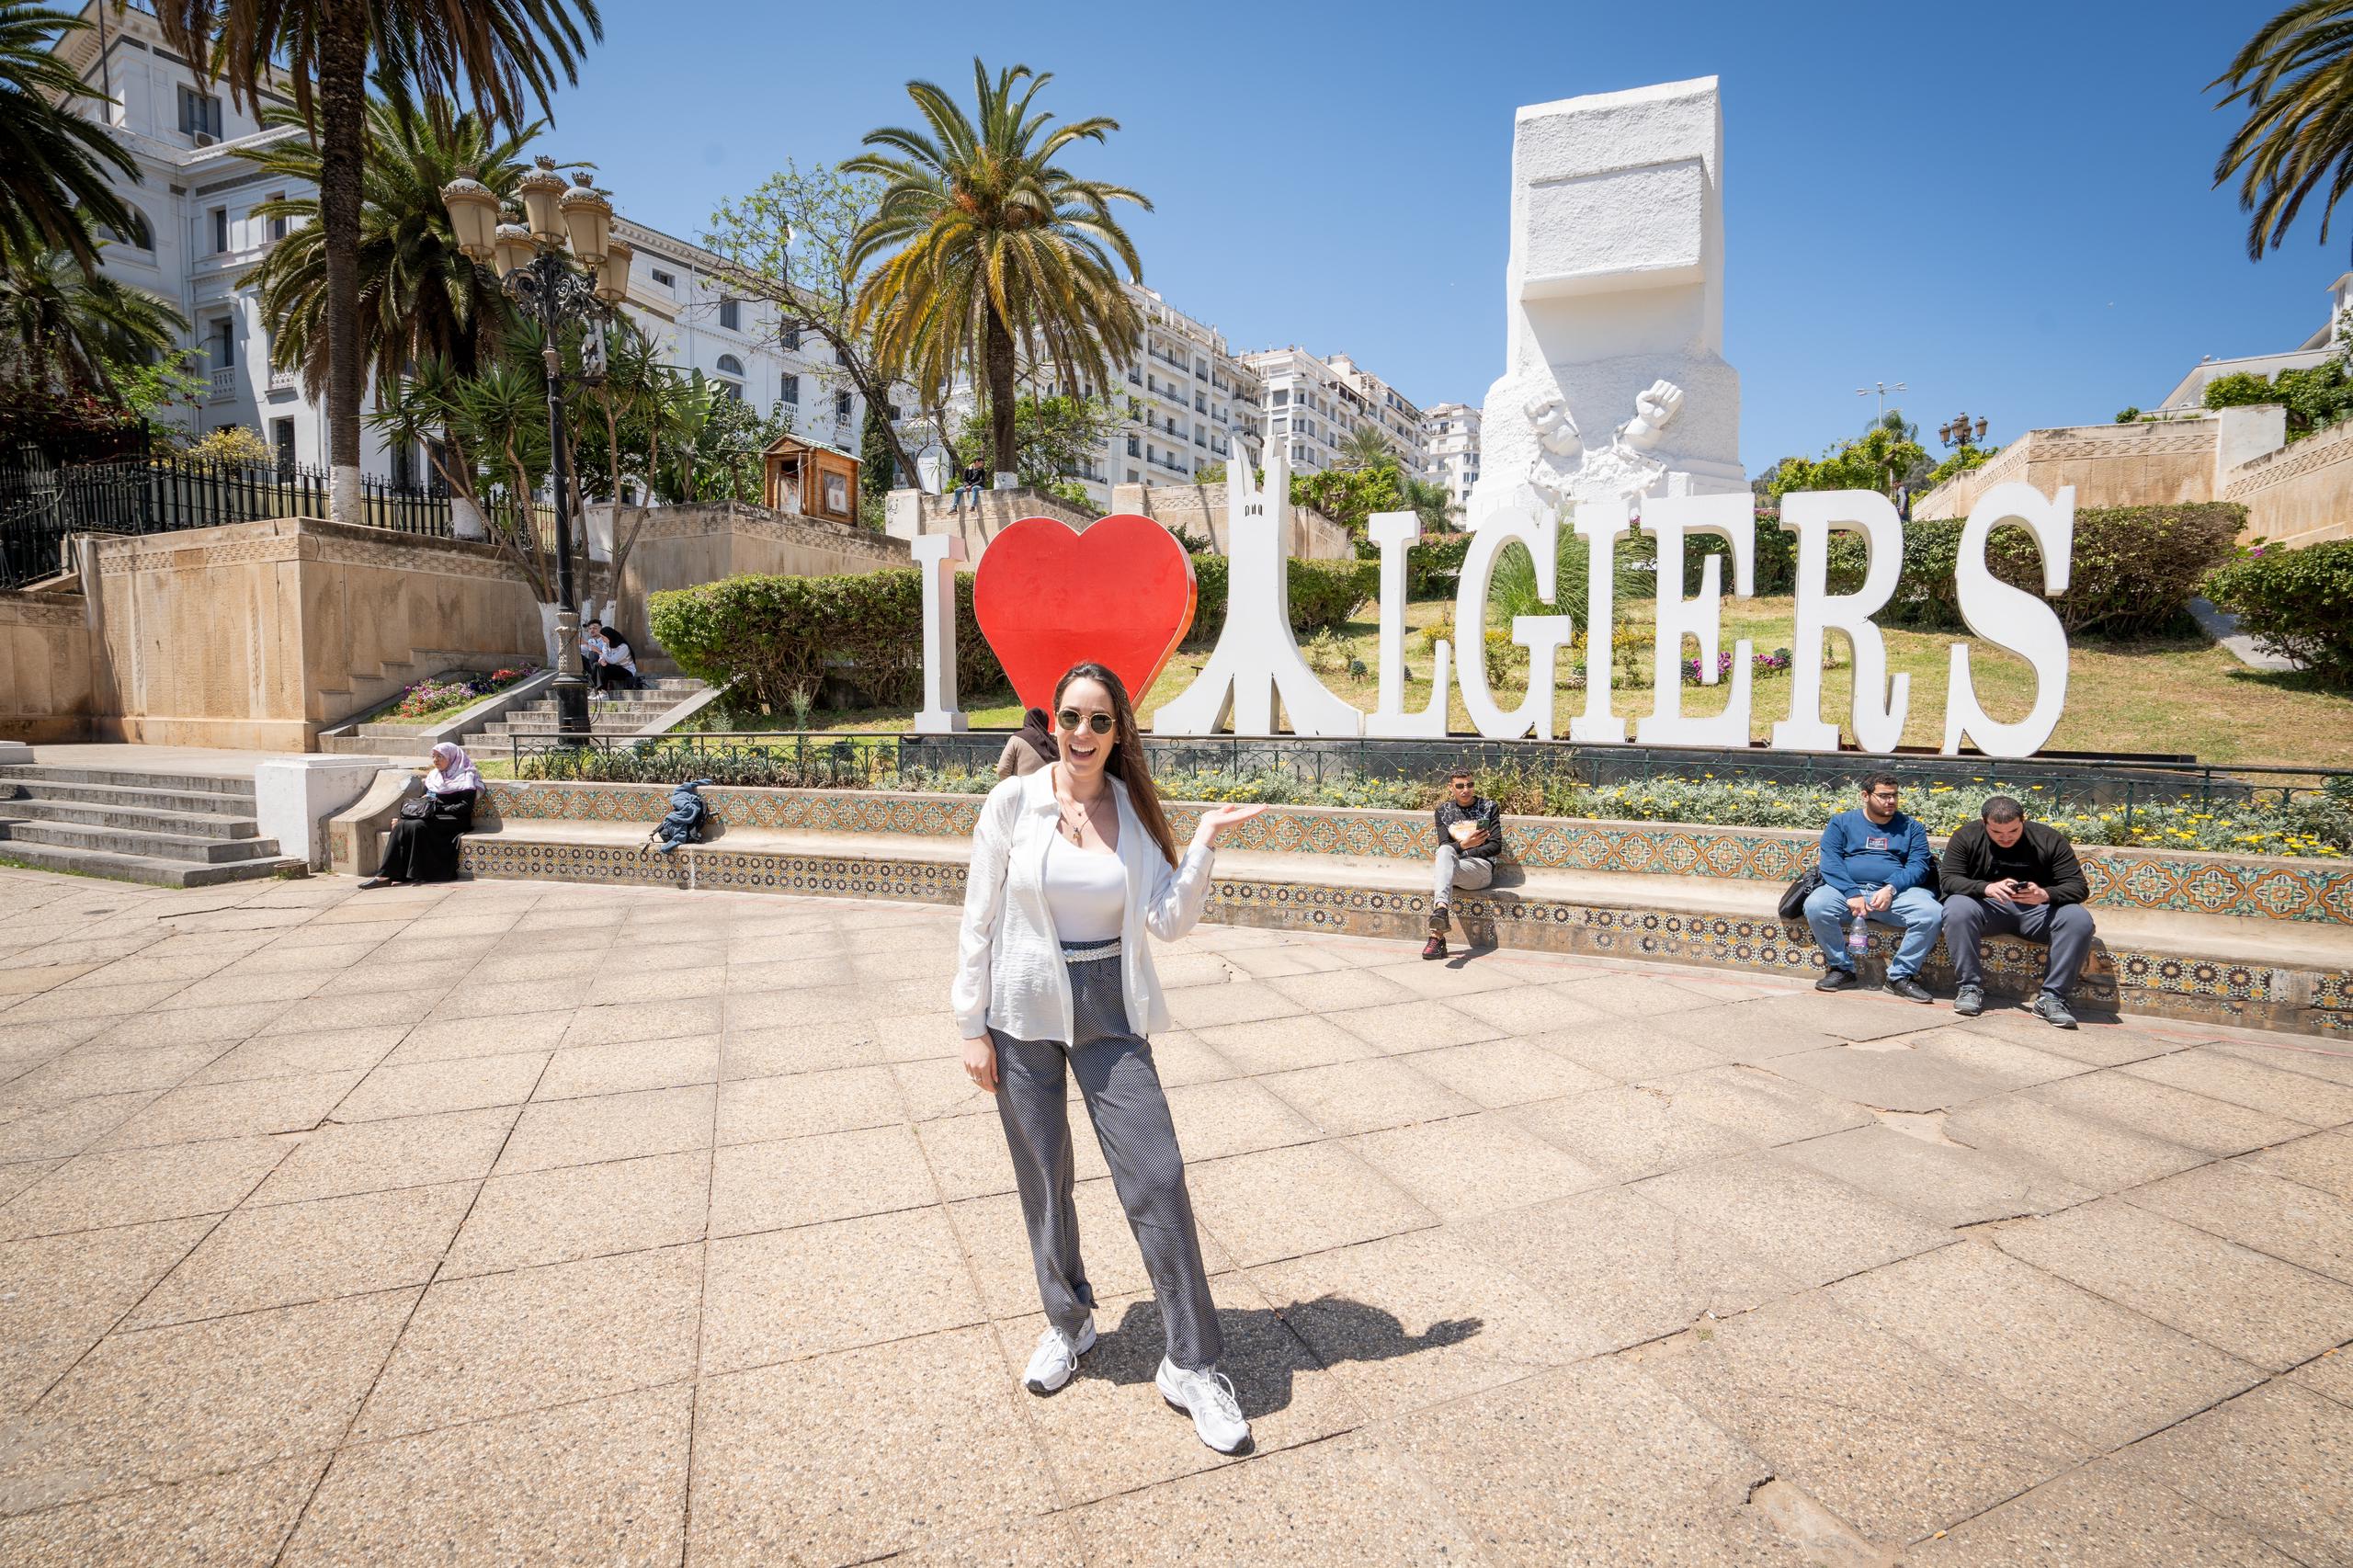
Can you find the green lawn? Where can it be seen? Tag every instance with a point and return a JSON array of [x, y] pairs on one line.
[[2180, 694]]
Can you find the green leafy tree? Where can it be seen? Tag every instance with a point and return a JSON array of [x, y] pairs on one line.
[[790, 245], [878, 455], [2315, 397], [997, 254], [418, 296], [54, 164], [321, 52], [65, 328], [1886, 454], [1962, 461], [2295, 76], [1054, 438]]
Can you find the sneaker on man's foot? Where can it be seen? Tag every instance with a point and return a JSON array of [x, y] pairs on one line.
[[1208, 1398], [2053, 1011], [1435, 948], [1969, 1001], [1056, 1358], [1834, 979], [1911, 989]]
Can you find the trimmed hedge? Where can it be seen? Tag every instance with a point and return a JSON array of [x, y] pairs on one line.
[[1324, 594], [2297, 602], [775, 635], [2135, 568]]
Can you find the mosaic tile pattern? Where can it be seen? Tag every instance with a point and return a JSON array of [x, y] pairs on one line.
[[2165, 985], [2262, 887]]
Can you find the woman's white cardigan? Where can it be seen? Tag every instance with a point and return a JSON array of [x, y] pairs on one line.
[[1009, 974]]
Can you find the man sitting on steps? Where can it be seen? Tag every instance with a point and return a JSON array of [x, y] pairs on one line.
[[1875, 867], [1470, 837], [2005, 874]]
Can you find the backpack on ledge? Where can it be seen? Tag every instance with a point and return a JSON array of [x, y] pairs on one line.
[[688, 812]]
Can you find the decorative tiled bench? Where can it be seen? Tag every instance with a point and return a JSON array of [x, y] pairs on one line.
[[2264, 942]]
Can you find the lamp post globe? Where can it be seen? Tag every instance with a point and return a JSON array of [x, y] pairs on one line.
[[555, 286]]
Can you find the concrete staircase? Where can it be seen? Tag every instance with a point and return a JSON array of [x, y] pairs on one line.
[[171, 830], [609, 713]]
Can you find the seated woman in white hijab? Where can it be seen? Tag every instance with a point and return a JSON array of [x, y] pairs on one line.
[[424, 845]]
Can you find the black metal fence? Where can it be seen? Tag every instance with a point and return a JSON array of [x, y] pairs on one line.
[[42, 506], [849, 760]]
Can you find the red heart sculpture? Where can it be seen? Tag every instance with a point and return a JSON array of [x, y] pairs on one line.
[[1048, 597]]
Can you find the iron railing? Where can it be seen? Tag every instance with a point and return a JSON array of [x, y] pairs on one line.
[[853, 759], [39, 508]]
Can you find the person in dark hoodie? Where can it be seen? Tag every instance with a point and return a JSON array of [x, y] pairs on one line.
[[1029, 748], [1875, 866], [2004, 874]]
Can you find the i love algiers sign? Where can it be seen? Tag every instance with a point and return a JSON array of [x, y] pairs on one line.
[[1122, 593]]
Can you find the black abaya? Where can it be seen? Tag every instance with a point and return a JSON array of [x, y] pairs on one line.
[[425, 849]]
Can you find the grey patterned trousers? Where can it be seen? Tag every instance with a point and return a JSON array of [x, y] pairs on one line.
[[1130, 1115]]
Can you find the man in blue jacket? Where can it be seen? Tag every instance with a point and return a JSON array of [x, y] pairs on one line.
[[1875, 866]]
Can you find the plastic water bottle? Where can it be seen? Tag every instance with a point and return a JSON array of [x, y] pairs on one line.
[[1858, 937]]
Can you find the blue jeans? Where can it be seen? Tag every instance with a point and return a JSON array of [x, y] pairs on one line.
[[1914, 909]]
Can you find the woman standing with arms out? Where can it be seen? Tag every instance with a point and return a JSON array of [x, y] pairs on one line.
[[1071, 865], [423, 848]]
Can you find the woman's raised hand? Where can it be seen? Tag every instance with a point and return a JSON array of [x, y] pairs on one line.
[[1217, 819]]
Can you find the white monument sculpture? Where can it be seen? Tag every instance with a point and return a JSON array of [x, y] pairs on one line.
[[1614, 300], [1614, 306]]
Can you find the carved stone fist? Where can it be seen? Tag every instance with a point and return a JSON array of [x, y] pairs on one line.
[[1555, 431], [1654, 410]]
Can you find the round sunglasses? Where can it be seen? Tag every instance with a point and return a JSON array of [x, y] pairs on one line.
[[1071, 718]]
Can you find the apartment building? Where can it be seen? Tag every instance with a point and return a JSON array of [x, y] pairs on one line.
[[1313, 405], [198, 235], [1450, 449]]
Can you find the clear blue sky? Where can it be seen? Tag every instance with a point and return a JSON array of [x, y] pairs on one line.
[[2006, 207]]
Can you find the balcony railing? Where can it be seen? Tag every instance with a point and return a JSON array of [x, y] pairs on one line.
[[224, 382]]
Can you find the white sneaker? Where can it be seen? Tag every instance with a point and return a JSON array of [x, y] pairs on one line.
[[1208, 1398], [1056, 1359]]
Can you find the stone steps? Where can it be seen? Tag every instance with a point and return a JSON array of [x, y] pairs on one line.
[[210, 850], [191, 823], [174, 830], [128, 796], [138, 867]]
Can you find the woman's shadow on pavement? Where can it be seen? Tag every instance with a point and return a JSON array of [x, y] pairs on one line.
[[1266, 1347]]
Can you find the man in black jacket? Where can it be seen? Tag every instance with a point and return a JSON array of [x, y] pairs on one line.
[[1470, 837], [2005, 874]]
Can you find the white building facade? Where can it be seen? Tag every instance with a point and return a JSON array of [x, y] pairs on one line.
[[1451, 449], [1313, 405], [199, 237]]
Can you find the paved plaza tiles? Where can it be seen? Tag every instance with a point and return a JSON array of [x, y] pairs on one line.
[[547, 1224]]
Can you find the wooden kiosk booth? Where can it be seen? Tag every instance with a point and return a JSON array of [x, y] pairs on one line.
[[816, 481]]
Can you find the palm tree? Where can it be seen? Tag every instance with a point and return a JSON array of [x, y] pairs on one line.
[[418, 298], [497, 49], [1002, 254], [2295, 75], [53, 163], [1366, 447], [63, 325]]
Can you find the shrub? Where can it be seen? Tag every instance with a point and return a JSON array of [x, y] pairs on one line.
[[2134, 567], [775, 635], [2297, 603], [232, 444], [1434, 566], [1324, 594], [1776, 564]]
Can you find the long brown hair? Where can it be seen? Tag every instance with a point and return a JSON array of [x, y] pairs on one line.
[[1127, 762]]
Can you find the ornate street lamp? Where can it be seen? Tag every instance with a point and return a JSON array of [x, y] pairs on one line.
[[532, 264], [1957, 432]]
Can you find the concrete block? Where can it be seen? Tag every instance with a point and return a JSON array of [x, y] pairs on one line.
[[294, 795]]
